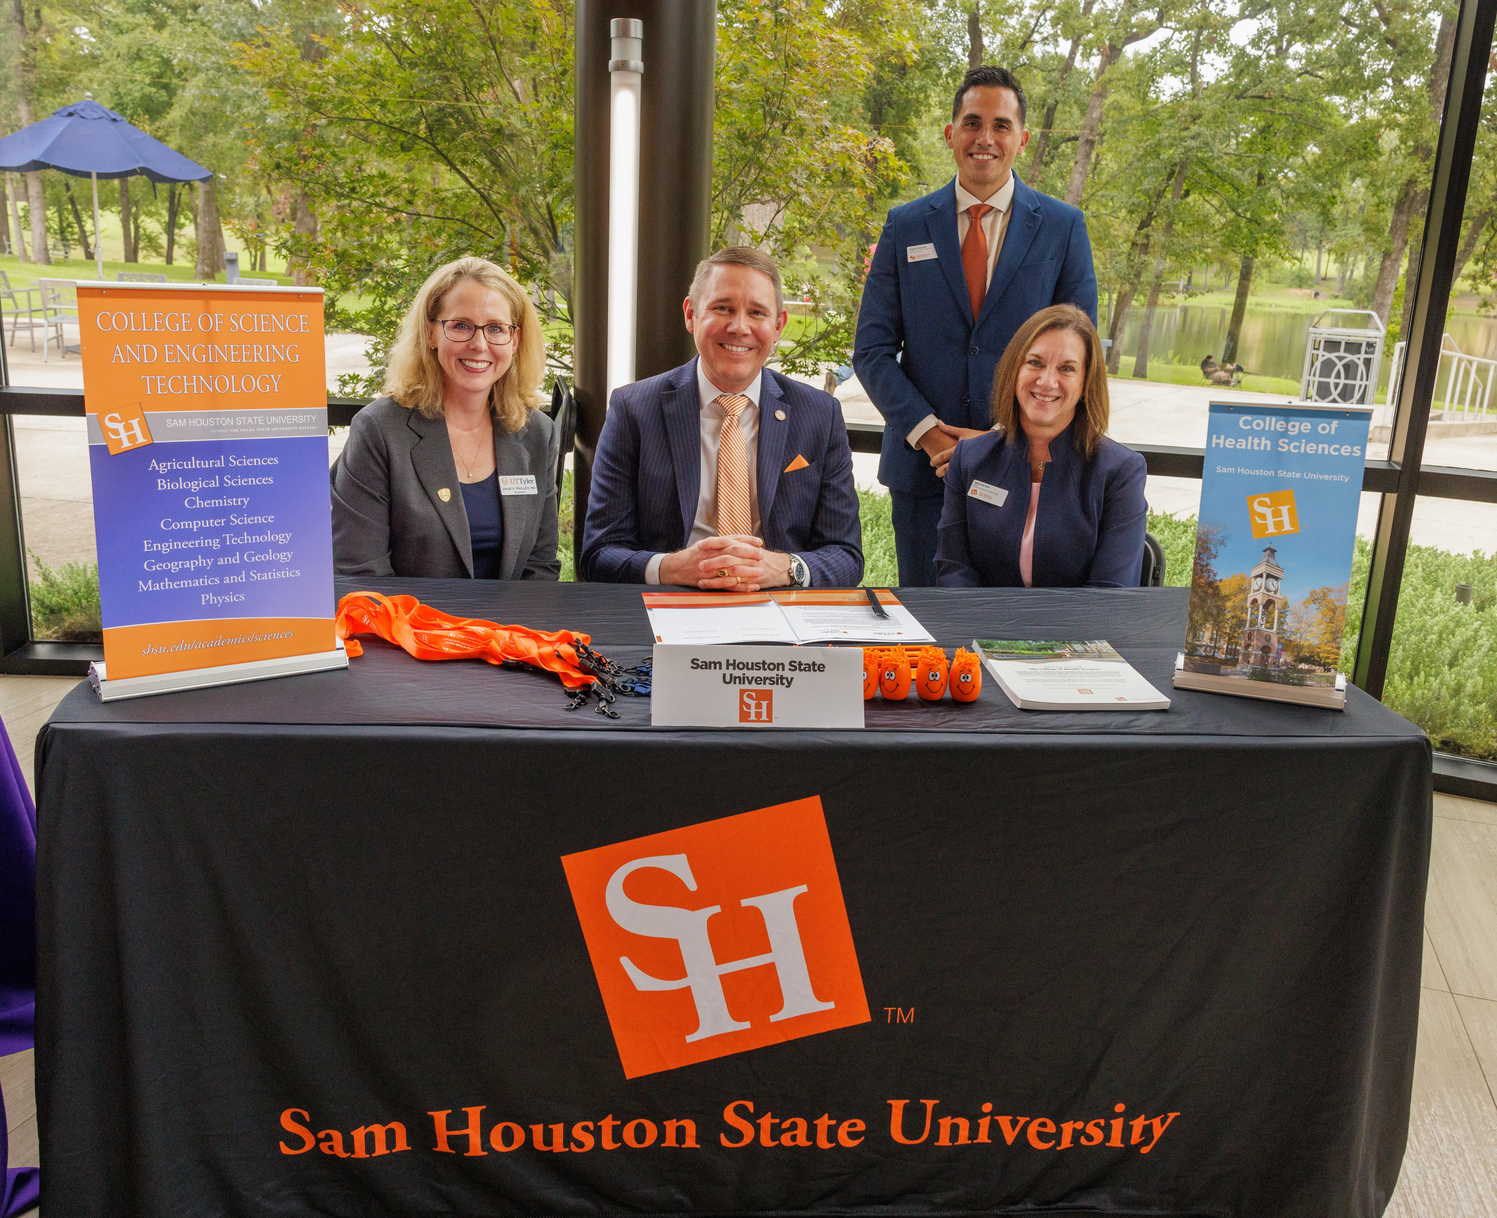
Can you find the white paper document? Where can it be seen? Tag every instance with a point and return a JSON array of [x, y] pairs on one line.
[[1067, 676], [806, 616]]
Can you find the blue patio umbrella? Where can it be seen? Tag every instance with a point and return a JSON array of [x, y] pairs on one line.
[[89, 141]]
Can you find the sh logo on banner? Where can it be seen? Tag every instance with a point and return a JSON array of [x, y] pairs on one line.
[[125, 429], [1273, 514], [719, 937]]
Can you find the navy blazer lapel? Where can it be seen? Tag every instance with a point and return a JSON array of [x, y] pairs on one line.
[[940, 227], [1023, 225], [681, 407], [516, 511], [770, 460], [431, 456]]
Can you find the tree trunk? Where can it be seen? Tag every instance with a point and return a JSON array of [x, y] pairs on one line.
[[1042, 141], [1141, 359], [1319, 257], [304, 224], [1475, 227], [974, 36], [1121, 37], [1398, 240], [1115, 327], [1133, 270], [36, 197], [1239, 309], [125, 231], [173, 202], [5, 209], [15, 215], [1091, 124], [1410, 280], [88, 253], [210, 234], [36, 205]]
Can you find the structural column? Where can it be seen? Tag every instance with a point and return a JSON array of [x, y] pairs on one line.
[[680, 50]]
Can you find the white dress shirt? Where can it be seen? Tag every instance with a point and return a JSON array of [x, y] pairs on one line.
[[705, 524], [994, 226]]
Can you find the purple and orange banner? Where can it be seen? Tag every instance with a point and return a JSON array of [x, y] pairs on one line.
[[207, 430]]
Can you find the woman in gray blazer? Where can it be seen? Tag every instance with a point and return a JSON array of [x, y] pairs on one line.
[[453, 472]]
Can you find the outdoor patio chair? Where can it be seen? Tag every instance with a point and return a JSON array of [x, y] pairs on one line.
[[59, 306], [563, 412], [138, 277], [19, 302], [1152, 575]]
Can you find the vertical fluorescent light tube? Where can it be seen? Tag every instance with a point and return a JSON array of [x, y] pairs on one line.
[[625, 68]]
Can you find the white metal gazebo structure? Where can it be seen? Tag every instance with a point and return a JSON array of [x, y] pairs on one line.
[[1342, 360]]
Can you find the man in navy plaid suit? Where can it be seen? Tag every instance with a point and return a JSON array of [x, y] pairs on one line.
[[723, 474]]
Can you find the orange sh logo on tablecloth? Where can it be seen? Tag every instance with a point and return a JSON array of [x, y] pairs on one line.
[[125, 428], [719, 937]]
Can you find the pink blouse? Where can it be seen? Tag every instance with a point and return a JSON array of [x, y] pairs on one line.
[[1026, 547]]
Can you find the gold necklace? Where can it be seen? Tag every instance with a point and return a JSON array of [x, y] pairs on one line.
[[468, 431]]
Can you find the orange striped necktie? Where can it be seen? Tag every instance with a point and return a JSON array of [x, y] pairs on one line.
[[735, 513], [975, 257]]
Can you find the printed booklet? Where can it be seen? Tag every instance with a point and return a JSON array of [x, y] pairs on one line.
[[1067, 676], [781, 616], [1273, 555]]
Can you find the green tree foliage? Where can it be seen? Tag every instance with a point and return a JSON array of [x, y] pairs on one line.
[[416, 147]]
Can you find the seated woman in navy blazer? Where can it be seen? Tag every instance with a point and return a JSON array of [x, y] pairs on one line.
[[453, 473], [1045, 499]]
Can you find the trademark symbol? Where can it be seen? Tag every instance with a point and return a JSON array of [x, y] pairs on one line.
[[899, 1015]]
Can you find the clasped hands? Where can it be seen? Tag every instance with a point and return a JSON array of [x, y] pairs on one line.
[[735, 563], [940, 442]]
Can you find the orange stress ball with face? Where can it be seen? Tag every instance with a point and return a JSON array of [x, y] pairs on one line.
[[930, 677], [870, 672], [894, 675], [966, 676]]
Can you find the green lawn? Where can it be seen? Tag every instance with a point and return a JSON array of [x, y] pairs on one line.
[[1190, 374]]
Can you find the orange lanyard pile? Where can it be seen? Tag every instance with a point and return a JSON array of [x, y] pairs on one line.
[[430, 634]]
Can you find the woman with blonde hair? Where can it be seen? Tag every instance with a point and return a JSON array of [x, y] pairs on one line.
[[1045, 499], [453, 472]]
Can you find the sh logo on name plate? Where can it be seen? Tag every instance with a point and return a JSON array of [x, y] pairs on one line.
[[677, 924]]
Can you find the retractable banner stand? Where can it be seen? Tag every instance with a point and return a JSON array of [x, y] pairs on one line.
[[207, 430]]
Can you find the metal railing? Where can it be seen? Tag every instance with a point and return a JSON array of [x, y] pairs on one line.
[[1469, 380]]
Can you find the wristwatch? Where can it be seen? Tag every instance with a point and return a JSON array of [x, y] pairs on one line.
[[800, 574]]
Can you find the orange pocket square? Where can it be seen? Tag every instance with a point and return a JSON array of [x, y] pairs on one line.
[[799, 463]]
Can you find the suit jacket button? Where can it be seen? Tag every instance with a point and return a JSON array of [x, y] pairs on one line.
[[973, 351]]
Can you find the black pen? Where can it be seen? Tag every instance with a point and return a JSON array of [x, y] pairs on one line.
[[878, 609]]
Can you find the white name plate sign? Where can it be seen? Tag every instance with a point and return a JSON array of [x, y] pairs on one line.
[[817, 687]]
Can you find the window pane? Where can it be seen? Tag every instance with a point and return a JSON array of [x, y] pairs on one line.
[[57, 518], [1442, 668]]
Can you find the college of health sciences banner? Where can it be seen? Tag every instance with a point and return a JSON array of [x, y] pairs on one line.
[[207, 428], [1278, 521]]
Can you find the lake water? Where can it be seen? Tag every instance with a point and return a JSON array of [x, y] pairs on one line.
[[1272, 342]]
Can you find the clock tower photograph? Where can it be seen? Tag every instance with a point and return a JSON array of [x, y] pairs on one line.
[[1266, 606]]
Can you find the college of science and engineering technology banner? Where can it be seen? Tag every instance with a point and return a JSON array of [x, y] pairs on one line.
[[207, 430]]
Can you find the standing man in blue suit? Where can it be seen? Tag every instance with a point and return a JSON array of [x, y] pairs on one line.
[[944, 296], [723, 474]]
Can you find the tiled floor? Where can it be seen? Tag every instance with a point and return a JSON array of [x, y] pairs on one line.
[[1450, 1169]]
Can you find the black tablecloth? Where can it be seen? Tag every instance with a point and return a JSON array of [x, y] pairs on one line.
[[277, 916]]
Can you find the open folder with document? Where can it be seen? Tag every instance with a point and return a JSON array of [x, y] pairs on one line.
[[790, 616]]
